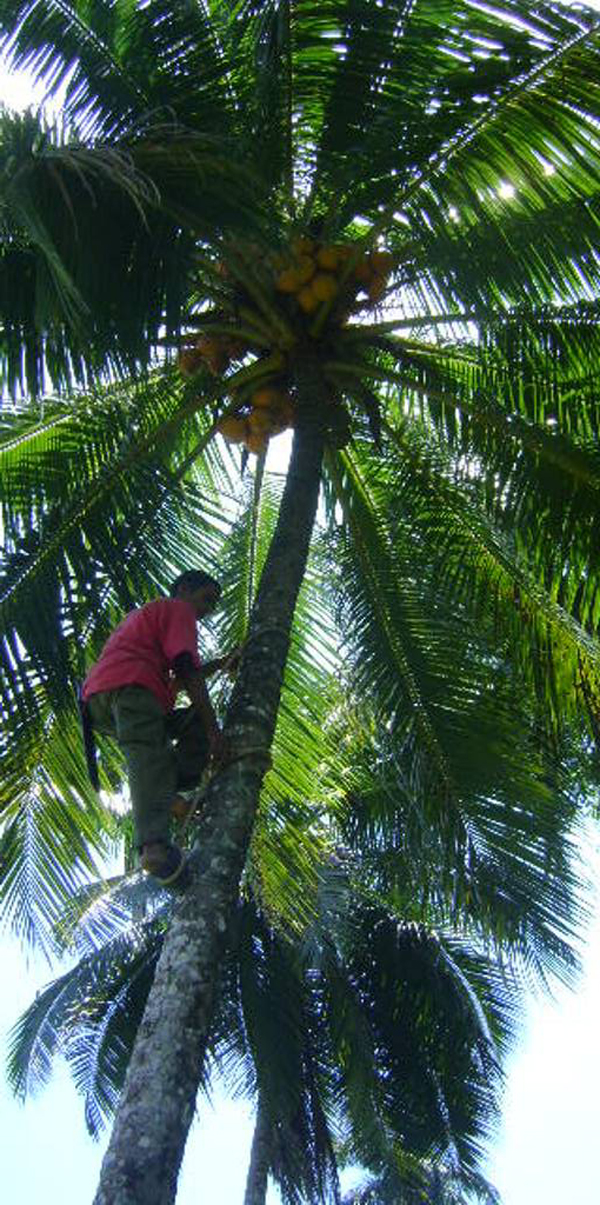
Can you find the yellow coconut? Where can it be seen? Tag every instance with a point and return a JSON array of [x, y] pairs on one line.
[[268, 397], [329, 258], [303, 246], [207, 345], [307, 300], [288, 281], [281, 414], [305, 268], [233, 428], [213, 350], [261, 422], [324, 286]]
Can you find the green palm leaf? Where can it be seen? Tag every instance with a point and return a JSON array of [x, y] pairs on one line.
[[130, 62], [452, 739]]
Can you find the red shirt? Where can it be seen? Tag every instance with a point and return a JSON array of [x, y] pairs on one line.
[[141, 650]]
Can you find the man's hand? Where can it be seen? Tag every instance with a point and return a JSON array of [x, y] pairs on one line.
[[230, 663]]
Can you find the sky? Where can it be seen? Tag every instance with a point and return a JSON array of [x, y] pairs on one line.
[[544, 1154]]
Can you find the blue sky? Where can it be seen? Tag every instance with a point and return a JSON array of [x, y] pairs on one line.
[[544, 1154]]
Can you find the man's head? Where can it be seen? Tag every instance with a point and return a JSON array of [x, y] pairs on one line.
[[198, 588]]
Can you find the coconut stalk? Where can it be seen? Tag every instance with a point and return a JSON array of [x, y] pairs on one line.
[[158, 1099]]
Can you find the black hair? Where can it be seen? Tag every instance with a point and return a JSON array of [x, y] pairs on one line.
[[193, 579]]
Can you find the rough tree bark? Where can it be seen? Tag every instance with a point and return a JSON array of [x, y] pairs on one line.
[[258, 1170], [158, 1099]]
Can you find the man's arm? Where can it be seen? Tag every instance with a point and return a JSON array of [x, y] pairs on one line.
[[230, 661], [213, 667], [193, 683]]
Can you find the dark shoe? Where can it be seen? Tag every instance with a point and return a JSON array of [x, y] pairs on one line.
[[165, 862]]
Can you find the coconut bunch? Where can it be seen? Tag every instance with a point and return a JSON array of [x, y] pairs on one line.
[[213, 351], [248, 294], [268, 411], [316, 272], [260, 302]]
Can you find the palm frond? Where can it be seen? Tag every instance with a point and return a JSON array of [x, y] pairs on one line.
[[417, 987], [282, 1036], [500, 777], [259, 41], [527, 442], [476, 563], [120, 66], [77, 310], [427, 75], [54, 830], [99, 1047], [89, 1015], [87, 486], [429, 1184], [374, 563], [484, 149]]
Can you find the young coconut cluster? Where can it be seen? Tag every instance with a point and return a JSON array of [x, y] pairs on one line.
[[274, 301], [317, 272], [269, 411], [216, 352]]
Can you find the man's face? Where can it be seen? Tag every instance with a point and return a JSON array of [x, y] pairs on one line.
[[204, 599]]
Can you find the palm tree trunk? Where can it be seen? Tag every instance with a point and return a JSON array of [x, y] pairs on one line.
[[256, 1183], [157, 1104]]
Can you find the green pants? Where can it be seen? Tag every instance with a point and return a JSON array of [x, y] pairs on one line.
[[165, 753]]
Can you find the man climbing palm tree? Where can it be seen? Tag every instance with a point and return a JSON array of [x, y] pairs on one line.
[[130, 693]]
